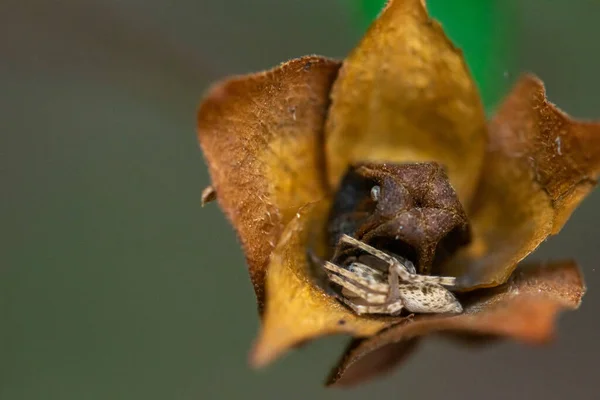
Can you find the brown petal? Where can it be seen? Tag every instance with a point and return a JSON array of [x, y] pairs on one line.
[[297, 310], [524, 309], [262, 138], [404, 95], [540, 164]]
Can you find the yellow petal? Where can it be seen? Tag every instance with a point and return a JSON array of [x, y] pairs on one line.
[[524, 309], [403, 95], [540, 164], [297, 309], [262, 138]]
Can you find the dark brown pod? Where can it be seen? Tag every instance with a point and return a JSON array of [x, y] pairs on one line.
[[406, 209]]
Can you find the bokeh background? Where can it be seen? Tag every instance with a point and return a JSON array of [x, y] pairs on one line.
[[115, 284]]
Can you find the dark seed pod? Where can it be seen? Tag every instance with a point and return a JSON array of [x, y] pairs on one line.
[[406, 209]]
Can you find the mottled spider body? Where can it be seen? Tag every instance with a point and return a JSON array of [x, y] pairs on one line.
[[392, 225]]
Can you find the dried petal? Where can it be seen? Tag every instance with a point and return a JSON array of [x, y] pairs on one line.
[[370, 364], [540, 164], [405, 95], [298, 310], [524, 309], [262, 138]]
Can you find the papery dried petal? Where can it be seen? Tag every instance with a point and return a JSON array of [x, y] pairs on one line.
[[405, 95], [523, 309], [539, 166], [262, 138]]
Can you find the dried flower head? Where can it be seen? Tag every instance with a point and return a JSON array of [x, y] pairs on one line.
[[391, 147]]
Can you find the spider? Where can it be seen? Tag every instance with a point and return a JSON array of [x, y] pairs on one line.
[[367, 289]]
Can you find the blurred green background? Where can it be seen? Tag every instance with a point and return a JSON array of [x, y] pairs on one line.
[[115, 284]]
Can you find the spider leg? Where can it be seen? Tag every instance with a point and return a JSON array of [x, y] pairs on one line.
[[393, 283], [396, 266], [370, 277], [373, 286], [388, 308], [366, 294], [365, 247], [406, 276], [380, 264]]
